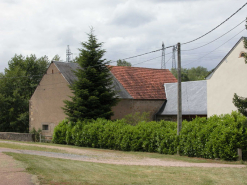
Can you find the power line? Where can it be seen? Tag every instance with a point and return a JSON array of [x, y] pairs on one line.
[[215, 48], [151, 59], [216, 38], [191, 40], [216, 26], [147, 53], [169, 60]]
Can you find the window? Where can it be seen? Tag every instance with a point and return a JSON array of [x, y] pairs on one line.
[[45, 127]]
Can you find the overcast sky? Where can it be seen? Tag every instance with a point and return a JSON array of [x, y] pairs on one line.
[[127, 28]]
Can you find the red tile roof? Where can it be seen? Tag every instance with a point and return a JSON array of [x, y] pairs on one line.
[[143, 83]]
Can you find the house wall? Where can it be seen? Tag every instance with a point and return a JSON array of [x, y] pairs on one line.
[[229, 78], [129, 106], [47, 100]]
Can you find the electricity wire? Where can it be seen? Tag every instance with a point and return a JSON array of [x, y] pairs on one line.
[[215, 27], [215, 48], [216, 38], [151, 59]]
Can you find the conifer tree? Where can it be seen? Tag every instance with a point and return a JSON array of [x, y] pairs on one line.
[[93, 96]]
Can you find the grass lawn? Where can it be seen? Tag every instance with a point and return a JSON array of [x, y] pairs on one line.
[[62, 171]]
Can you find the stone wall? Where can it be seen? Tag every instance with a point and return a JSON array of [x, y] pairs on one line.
[[17, 136]]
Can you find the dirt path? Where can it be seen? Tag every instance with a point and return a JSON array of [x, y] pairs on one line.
[[110, 157], [11, 172]]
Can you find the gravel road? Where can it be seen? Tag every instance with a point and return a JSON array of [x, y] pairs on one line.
[[110, 157]]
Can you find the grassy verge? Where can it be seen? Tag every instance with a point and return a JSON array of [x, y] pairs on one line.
[[26, 147], [62, 171]]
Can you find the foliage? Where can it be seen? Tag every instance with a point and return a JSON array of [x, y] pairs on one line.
[[56, 58], [192, 74], [93, 97], [215, 137], [36, 134], [59, 134], [123, 63], [240, 103], [101, 133], [135, 118], [17, 85]]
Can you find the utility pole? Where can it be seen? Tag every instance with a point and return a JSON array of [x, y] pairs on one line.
[[179, 116], [163, 61]]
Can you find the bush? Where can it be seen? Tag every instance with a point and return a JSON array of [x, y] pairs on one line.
[[215, 137], [36, 134], [59, 135], [137, 117]]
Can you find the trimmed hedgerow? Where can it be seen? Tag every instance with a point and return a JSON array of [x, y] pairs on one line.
[[215, 137]]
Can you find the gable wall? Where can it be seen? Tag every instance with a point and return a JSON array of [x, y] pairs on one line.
[[47, 100], [229, 78]]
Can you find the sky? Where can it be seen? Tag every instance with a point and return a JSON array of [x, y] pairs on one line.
[[126, 27]]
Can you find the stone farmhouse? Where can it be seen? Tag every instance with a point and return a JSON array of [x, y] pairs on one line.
[[140, 90], [229, 77]]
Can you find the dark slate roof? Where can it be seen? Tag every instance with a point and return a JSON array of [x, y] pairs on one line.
[[211, 74], [194, 98], [67, 69]]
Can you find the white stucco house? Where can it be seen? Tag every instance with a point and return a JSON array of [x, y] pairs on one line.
[[229, 77]]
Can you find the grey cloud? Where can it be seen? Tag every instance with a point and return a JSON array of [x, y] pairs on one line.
[[132, 18], [11, 1]]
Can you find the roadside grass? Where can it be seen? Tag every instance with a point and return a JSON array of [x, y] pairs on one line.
[[25, 147], [100, 152], [62, 171]]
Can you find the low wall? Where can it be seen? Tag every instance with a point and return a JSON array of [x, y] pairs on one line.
[[17, 136]]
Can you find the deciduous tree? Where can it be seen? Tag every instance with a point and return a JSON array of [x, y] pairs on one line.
[[123, 63], [17, 85]]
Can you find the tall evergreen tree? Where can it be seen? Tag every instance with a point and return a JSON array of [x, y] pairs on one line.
[[93, 96]]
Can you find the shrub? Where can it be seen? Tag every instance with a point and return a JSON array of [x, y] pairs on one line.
[[59, 135], [36, 134], [135, 118], [215, 137]]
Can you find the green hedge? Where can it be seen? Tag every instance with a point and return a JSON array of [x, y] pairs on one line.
[[215, 137]]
